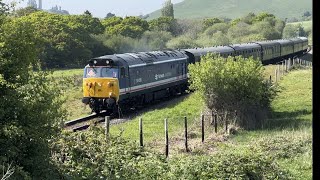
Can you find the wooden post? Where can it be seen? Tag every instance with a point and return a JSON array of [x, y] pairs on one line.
[[289, 64], [216, 123], [202, 128], [141, 132], [226, 125], [212, 118], [186, 133], [166, 137], [285, 65], [293, 61], [270, 80], [276, 75], [107, 125], [282, 68]]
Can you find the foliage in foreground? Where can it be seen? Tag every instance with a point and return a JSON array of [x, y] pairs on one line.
[[233, 86], [88, 155], [30, 108]]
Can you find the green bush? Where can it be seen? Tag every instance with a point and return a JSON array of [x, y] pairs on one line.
[[244, 165], [233, 86], [88, 155]]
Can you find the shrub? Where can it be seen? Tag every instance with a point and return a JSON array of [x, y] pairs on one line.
[[233, 86]]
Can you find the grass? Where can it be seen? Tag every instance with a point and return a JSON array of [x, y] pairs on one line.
[[153, 121], [287, 138], [307, 25], [73, 94], [191, 9]]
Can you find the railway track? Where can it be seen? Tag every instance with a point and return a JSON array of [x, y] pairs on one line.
[[97, 119]]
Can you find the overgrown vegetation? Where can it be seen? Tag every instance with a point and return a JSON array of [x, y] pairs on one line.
[[233, 88], [30, 107], [89, 155]]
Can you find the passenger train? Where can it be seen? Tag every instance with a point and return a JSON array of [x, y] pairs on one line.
[[138, 78]]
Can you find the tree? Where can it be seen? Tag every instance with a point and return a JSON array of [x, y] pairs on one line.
[[87, 12], [262, 16], [130, 26], [209, 22], [232, 84], [25, 11], [30, 106], [306, 14], [167, 10], [163, 24], [67, 40], [109, 15], [289, 31]]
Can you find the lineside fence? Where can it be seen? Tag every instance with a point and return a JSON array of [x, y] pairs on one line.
[[285, 66], [211, 122]]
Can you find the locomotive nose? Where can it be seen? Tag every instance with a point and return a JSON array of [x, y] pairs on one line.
[[101, 88]]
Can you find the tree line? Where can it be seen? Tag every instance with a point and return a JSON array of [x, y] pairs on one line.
[[69, 41]]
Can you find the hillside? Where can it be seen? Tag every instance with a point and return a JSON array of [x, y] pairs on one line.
[[189, 9]]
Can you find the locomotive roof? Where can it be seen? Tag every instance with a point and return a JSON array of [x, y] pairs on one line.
[[140, 58]]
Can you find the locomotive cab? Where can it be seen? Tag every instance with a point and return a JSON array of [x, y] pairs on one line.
[[101, 86]]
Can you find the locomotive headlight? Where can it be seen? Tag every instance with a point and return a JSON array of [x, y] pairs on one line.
[[110, 84], [95, 61], [107, 61]]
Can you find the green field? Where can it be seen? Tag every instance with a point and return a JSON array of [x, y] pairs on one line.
[[73, 94], [190, 9], [286, 138], [307, 25]]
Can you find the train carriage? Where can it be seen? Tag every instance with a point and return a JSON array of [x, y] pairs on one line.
[[196, 53], [286, 47], [247, 50], [270, 50]]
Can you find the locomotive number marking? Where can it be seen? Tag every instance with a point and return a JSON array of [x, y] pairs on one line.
[[159, 76]]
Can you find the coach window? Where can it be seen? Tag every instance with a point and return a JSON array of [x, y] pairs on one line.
[[122, 72]]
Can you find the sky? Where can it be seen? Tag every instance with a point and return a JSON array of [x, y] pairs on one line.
[[100, 8]]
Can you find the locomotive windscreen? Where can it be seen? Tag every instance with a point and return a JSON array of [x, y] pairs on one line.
[[91, 72]]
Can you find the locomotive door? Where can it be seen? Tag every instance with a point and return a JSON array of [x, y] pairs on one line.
[[124, 80], [183, 66]]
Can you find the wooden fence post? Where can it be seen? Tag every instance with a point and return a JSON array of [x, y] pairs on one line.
[[216, 123], [285, 64], [282, 68], [289, 64], [276, 75], [202, 128], [293, 61], [212, 119], [186, 133], [270, 80], [166, 136], [226, 120], [141, 132], [107, 125]]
